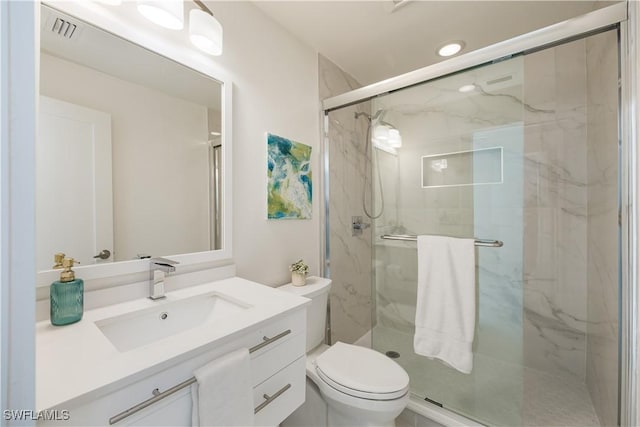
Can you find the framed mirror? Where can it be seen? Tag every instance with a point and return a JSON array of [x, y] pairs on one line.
[[132, 154]]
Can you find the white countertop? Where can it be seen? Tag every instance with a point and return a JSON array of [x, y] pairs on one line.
[[77, 359]]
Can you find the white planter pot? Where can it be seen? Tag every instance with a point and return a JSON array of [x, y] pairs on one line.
[[298, 279]]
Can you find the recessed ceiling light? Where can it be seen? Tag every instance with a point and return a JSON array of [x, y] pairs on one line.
[[451, 48], [467, 88]]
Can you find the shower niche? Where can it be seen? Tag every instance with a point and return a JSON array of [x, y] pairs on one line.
[[472, 167]]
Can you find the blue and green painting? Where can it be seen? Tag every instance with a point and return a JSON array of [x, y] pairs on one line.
[[289, 186]]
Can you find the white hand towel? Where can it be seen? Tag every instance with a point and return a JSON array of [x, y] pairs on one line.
[[446, 306], [223, 395]]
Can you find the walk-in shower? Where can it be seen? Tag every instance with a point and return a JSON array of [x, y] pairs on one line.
[[524, 153]]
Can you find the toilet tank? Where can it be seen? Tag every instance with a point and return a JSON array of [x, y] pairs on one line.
[[317, 290]]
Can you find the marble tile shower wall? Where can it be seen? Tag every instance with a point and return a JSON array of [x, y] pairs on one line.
[[555, 226], [602, 219], [350, 256]]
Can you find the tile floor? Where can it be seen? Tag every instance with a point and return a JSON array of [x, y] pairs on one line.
[[495, 393]]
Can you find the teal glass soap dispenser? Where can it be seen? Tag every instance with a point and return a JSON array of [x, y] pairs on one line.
[[67, 294]]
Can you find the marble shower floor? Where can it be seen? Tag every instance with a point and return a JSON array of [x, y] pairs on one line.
[[495, 393]]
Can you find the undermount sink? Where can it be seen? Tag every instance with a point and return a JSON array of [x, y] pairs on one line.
[[132, 330]]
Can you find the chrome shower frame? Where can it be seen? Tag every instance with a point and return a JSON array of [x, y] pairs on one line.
[[626, 17]]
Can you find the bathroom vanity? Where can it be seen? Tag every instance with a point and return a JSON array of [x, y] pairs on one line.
[[119, 364]]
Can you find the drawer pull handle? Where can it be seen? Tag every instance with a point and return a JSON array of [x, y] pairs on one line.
[[157, 395], [266, 340], [269, 399]]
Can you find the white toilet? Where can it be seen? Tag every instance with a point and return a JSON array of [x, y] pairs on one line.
[[347, 385]]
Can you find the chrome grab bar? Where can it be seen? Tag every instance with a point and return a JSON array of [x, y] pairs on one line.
[[412, 238], [157, 395]]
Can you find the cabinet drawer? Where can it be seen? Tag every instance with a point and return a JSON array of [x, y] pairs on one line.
[[268, 363], [289, 385], [173, 411]]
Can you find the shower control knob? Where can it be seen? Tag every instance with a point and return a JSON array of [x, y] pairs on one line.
[[357, 226]]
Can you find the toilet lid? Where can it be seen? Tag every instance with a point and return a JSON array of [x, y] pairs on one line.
[[362, 372]]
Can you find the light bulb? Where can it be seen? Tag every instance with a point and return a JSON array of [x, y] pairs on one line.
[[166, 13]]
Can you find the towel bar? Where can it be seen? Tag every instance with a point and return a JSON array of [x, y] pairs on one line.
[[411, 238], [157, 395]]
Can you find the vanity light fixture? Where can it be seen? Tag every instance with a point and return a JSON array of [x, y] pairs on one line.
[[205, 31], [450, 49], [166, 13]]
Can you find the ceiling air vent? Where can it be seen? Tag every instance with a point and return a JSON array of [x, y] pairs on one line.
[[64, 28]]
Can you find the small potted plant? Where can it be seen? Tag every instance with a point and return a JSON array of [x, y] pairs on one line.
[[299, 272]]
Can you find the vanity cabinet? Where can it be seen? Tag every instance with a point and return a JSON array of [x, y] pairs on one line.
[[277, 372]]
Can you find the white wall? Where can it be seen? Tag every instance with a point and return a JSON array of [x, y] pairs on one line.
[[275, 90]]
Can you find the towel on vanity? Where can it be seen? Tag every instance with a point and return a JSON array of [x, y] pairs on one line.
[[446, 306], [223, 395]]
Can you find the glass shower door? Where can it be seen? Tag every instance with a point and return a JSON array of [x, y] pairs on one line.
[[523, 151], [459, 172]]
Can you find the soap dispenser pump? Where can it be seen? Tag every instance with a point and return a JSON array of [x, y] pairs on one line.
[[67, 296]]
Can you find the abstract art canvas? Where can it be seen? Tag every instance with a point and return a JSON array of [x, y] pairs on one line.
[[289, 170]]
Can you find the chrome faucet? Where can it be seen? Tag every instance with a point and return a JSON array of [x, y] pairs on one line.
[[158, 268]]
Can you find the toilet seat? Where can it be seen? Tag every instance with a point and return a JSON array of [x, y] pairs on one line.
[[362, 372]]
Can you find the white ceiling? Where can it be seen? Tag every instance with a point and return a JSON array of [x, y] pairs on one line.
[[372, 42]]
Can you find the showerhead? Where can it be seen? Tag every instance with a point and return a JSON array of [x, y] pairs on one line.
[[383, 133], [376, 117], [379, 115], [357, 115]]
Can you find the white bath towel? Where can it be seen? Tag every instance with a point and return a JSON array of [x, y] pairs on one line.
[[223, 395], [446, 306]]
